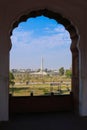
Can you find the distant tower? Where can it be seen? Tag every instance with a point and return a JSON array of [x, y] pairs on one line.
[[41, 64], [42, 72]]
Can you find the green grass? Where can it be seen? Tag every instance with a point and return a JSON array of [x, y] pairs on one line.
[[37, 89], [39, 86]]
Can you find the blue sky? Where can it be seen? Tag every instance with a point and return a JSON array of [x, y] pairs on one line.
[[40, 37]]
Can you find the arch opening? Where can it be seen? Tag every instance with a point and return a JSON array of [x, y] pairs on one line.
[[48, 45], [74, 37]]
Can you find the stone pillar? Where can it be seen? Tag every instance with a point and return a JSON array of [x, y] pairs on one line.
[[83, 78], [75, 73], [4, 74]]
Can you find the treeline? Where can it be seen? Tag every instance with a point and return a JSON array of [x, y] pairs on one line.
[[67, 72], [62, 73]]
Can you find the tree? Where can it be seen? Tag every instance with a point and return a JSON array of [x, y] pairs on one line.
[[38, 70], [46, 70], [61, 71], [68, 73], [11, 78]]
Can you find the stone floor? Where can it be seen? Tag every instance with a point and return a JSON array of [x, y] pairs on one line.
[[45, 121]]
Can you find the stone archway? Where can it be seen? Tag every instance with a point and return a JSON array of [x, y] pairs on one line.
[[74, 45]]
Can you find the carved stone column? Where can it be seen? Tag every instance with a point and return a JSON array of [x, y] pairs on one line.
[[75, 73], [83, 78], [4, 74]]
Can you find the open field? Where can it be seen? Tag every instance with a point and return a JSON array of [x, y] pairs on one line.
[[38, 89], [26, 85]]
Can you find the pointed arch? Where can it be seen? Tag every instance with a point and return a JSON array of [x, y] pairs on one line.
[[70, 27]]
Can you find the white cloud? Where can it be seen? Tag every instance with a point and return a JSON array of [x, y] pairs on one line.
[[20, 38], [26, 47], [27, 39], [58, 29]]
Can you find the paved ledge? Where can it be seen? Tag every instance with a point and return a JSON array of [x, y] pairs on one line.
[[45, 121]]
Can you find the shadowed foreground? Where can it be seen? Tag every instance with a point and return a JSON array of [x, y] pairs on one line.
[[45, 121]]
